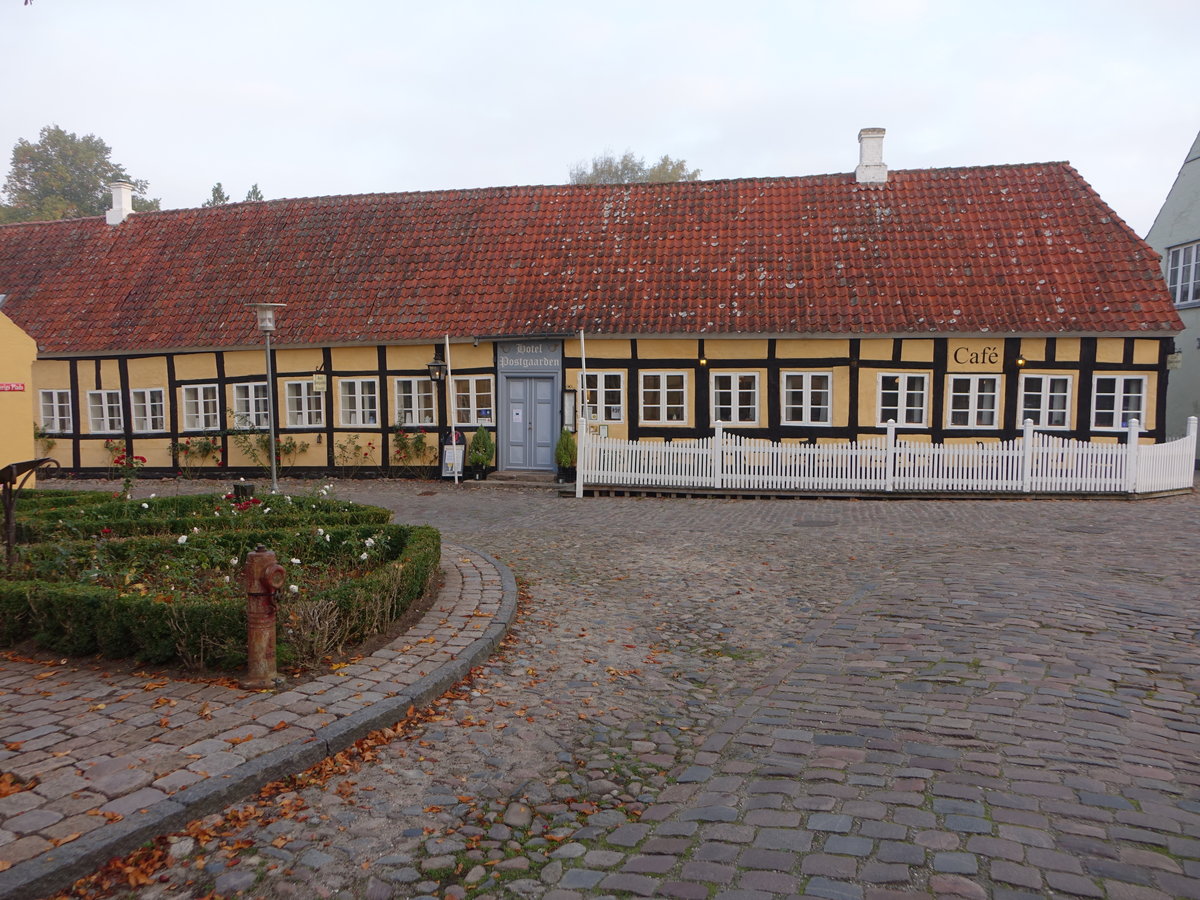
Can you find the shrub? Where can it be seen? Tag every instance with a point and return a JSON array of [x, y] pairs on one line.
[[481, 450]]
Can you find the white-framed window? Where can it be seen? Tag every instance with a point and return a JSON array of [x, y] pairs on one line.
[[415, 402], [807, 398], [251, 405], [305, 405], [1183, 273], [735, 398], [147, 406], [1045, 400], [663, 398], [56, 412], [104, 412], [359, 401], [201, 409], [473, 396], [902, 398], [974, 401], [604, 396], [1116, 399]]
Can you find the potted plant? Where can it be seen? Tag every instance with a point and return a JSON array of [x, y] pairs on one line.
[[565, 455], [479, 454]]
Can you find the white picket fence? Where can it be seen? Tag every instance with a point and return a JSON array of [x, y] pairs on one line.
[[1034, 463]]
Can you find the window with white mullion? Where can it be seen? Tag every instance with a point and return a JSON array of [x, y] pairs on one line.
[[359, 401], [148, 409], [1045, 400], [251, 405], [1117, 400], [473, 400], [415, 402], [735, 398], [305, 405], [604, 397], [56, 412], [902, 399], [104, 412], [974, 401], [663, 398], [201, 409], [807, 398], [1183, 273]]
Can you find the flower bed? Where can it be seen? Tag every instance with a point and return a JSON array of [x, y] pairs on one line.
[[176, 593]]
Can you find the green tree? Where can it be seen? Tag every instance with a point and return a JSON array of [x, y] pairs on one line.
[[254, 194], [629, 169], [64, 176], [218, 198]]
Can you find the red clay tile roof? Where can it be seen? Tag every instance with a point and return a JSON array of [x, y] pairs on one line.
[[1028, 249]]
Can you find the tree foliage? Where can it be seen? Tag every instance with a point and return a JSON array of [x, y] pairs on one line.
[[218, 198], [254, 194], [64, 176], [629, 169]]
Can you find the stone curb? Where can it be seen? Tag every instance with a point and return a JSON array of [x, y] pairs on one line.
[[58, 868]]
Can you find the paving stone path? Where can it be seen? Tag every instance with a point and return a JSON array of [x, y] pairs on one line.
[[761, 699]]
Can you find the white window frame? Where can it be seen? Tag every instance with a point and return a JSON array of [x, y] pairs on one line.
[[600, 389], [803, 413], [477, 387], [148, 410], [305, 404], [973, 389], [416, 402], [1042, 409], [664, 404], [1183, 273], [104, 412], [251, 405], [201, 407], [1120, 413], [358, 402], [742, 399], [56, 411], [906, 385]]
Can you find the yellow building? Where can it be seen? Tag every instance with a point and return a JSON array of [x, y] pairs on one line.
[[956, 302], [17, 394]]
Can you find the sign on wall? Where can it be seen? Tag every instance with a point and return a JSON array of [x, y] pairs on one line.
[[12, 385]]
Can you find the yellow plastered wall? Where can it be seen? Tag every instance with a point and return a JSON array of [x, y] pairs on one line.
[[1033, 349], [875, 348], [364, 359], [1066, 349], [668, 349], [1145, 353], [1110, 350], [727, 349], [916, 351], [18, 400], [814, 348], [599, 348]]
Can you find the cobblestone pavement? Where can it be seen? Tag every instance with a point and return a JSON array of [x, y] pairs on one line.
[[760, 699]]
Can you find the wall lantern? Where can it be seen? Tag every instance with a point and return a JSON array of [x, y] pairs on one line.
[[437, 369], [1021, 361]]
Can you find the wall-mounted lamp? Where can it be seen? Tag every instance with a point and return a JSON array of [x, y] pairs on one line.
[[704, 361], [437, 367], [1020, 361]]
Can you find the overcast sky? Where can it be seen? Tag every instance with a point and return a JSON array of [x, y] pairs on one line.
[[312, 97]]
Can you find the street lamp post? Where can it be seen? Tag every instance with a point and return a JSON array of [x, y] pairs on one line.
[[266, 324]]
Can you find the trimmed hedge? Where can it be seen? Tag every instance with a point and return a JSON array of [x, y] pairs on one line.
[[179, 598], [175, 515]]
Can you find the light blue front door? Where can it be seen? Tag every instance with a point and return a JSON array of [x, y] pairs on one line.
[[529, 422]]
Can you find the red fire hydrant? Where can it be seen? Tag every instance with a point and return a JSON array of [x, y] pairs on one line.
[[264, 576]]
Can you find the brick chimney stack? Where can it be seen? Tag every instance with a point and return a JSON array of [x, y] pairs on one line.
[[871, 167]]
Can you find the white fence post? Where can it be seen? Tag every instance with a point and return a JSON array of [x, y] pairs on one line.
[[1027, 456], [890, 476], [1131, 455], [717, 454]]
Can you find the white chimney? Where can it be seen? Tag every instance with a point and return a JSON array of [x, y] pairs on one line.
[[122, 204], [871, 168]]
